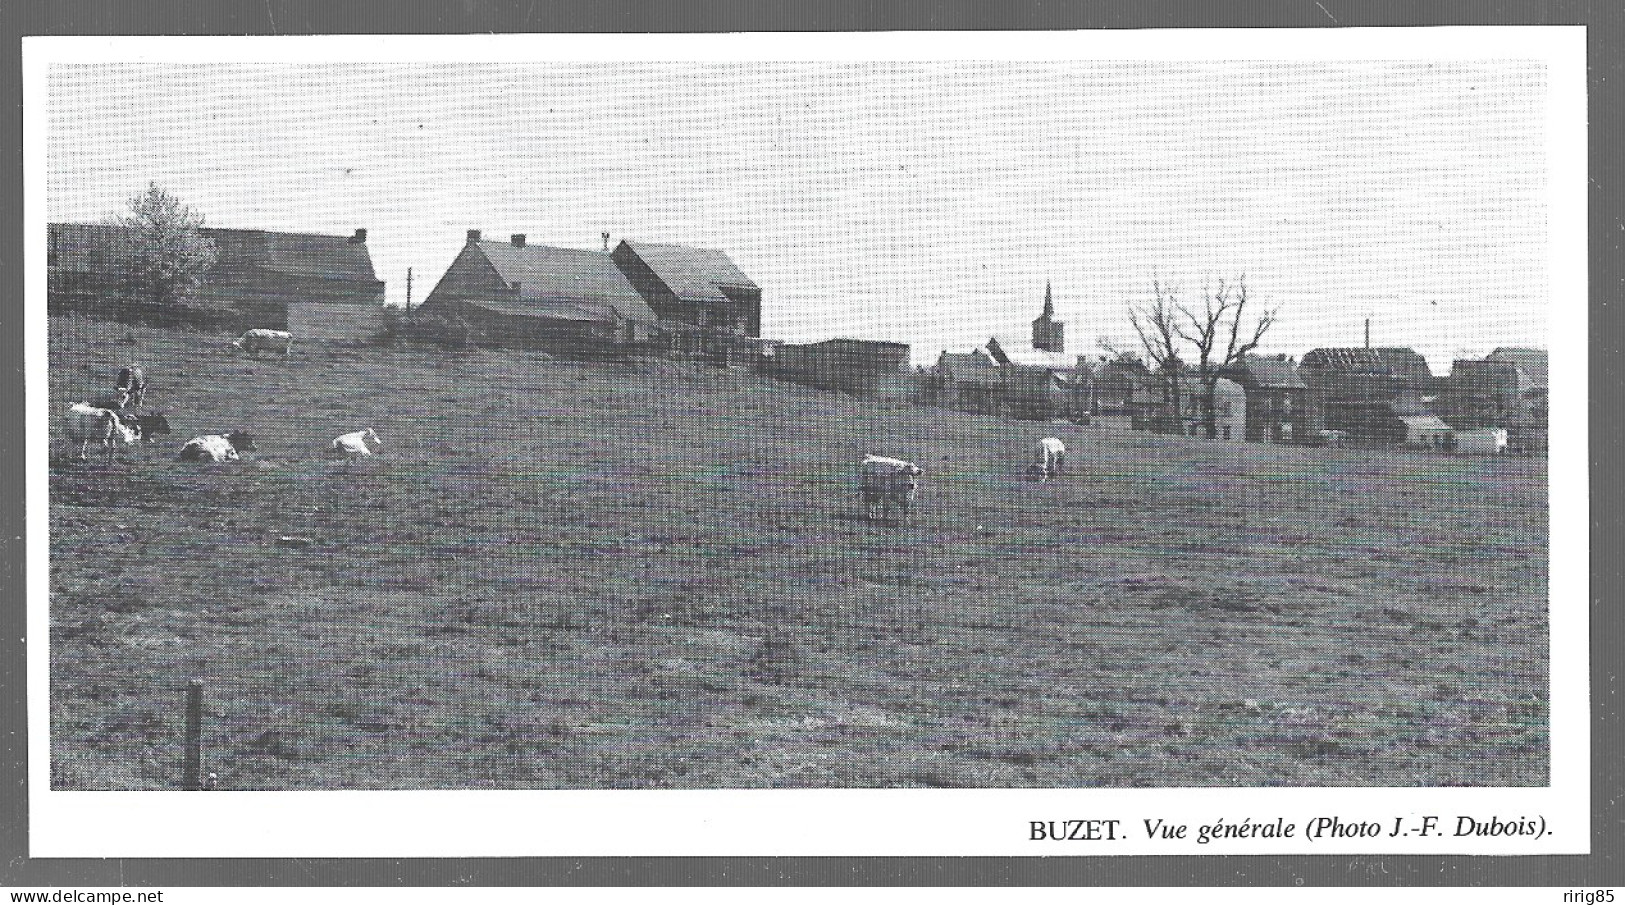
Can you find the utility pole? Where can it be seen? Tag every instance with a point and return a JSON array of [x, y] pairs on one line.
[[409, 291]]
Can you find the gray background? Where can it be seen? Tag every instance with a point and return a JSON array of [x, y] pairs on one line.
[[228, 17]]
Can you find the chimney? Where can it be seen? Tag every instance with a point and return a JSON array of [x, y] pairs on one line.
[[360, 236], [1368, 333], [606, 241], [473, 235], [518, 240]]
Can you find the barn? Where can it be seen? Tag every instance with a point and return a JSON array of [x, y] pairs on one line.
[[1364, 392], [862, 367], [318, 286], [705, 303], [521, 295], [1506, 389]]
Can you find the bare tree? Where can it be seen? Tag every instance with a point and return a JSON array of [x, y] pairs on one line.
[[162, 254], [1220, 321], [1157, 325]]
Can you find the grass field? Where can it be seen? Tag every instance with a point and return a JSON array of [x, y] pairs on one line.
[[649, 575]]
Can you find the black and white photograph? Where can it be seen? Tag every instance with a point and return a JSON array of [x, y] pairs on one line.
[[1156, 417]]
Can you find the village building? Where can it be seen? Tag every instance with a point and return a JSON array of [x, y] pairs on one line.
[[1506, 390], [1229, 409], [862, 367], [318, 286], [707, 306], [1363, 393], [1279, 407], [1428, 432], [515, 293], [967, 381]]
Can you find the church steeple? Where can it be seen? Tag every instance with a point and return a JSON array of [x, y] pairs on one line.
[[1049, 334]]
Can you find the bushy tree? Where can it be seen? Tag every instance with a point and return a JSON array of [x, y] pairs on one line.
[[163, 257]]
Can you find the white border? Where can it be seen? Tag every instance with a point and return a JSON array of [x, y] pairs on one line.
[[844, 822]]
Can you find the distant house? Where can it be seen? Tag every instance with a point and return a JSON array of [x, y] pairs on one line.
[[702, 298], [1279, 408], [967, 381], [515, 293], [1500, 391], [318, 286], [861, 367], [1529, 432], [1363, 392], [1427, 432], [1229, 409]]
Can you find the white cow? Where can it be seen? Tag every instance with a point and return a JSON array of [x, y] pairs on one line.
[[217, 447], [885, 482], [354, 444], [1049, 459], [86, 422], [256, 341]]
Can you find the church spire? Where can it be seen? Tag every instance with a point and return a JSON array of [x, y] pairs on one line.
[[1049, 334]]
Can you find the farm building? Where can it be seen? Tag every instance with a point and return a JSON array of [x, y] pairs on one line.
[[1481, 441], [967, 381], [1113, 385], [703, 300], [318, 286], [1279, 407], [1229, 409], [1363, 392], [1038, 383], [862, 367], [536, 296], [1427, 432], [1506, 389]]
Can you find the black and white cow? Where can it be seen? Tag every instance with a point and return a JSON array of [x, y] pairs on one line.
[[131, 387]]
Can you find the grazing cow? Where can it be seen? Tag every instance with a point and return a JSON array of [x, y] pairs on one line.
[[1049, 461], [354, 444], [132, 387], [147, 425], [86, 422], [217, 447], [885, 482], [256, 341]]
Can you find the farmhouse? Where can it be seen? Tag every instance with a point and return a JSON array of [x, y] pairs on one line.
[[536, 296], [704, 301], [317, 286], [1279, 408], [1364, 392], [862, 367], [967, 381], [1506, 389]]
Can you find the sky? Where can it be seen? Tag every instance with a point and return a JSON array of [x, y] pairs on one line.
[[920, 202]]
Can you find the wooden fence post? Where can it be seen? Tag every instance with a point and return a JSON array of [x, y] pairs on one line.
[[192, 770]]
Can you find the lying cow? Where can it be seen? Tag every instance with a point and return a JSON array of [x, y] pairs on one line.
[[885, 482], [131, 387], [354, 444], [217, 447], [86, 422], [1049, 459], [256, 341], [147, 426]]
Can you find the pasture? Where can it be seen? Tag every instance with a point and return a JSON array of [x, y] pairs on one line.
[[653, 575]]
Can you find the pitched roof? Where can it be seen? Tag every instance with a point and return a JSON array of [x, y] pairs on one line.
[[975, 366], [1270, 373], [692, 274], [563, 283], [304, 254], [1424, 422], [1038, 358], [1388, 360], [91, 246], [1531, 361]]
